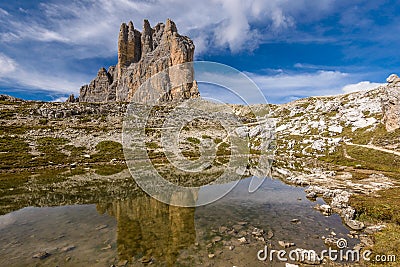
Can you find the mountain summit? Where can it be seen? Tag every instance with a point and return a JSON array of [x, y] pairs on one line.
[[140, 56]]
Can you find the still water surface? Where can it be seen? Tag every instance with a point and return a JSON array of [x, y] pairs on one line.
[[137, 230]]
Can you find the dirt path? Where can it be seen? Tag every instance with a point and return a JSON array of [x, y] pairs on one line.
[[376, 148]]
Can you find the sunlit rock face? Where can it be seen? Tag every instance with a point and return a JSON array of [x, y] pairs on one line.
[[140, 56], [391, 103]]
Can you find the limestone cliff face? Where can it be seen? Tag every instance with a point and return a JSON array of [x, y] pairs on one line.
[[140, 56], [391, 103]]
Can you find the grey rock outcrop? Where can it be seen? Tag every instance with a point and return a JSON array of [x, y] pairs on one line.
[[72, 99], [9, 98], [140, 56], [391, 103]]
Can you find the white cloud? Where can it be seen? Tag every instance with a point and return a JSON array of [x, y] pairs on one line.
[[364, 85], [219, 23], [12, 73], [3, 12], [7, 65]]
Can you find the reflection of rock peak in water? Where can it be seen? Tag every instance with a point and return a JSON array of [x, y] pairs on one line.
[[147, 227]]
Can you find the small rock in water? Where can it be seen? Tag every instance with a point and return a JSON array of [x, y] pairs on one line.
[[67, 248], [286, 244], [106, 247], [355, 225], [122, 263], [331, 242], [257, 232], [242, 240], [145, 259], [41, 255], [99, 227], [325, 209], [67, 259], [242, 223], [231, 248], [216, 239], [291, 265], [237, 227], [222, 229], [270, 234], [211, 256], [311, 195], [295, 221]]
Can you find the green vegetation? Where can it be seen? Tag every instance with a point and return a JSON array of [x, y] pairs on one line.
[[384, 207], [108, 150], [364, 158], [14, 153], [224, 149], [152, 145], [51, 150], [217, 140], [387, 242], [377, 136], [106, 170], [193, 140], [377, 209]]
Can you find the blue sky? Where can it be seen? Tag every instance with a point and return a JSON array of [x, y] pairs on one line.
[[290, 48]]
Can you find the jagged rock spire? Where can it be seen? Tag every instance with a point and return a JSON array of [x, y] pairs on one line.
[[141, 55]]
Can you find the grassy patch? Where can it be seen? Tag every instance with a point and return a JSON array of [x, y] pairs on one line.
[[51, 147], [14, 153], [381, 208], [152, 145], [193, 140], [108, 150], [384, 207], [364, 158], [387, 243], [224, 149], [106, 170]]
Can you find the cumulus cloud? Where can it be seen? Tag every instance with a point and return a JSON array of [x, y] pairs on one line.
[[361, 86], [218, 23]]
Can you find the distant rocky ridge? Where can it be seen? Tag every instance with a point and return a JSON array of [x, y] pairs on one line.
[[140, 56]]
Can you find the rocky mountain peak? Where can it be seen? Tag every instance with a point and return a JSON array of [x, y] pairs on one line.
[[140, 56], [393, 79]]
